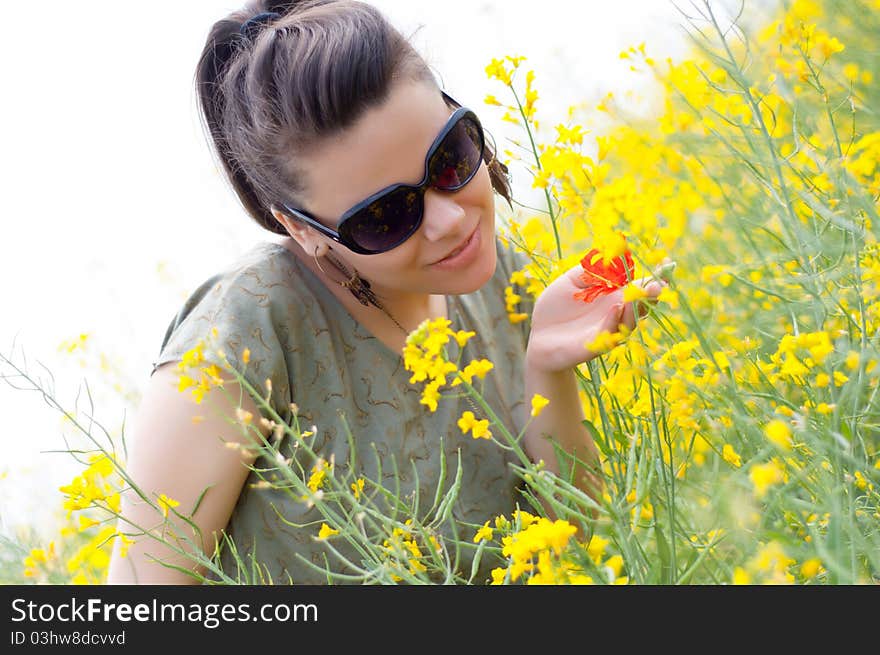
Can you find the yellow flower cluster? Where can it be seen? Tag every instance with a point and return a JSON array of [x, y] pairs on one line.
[[96, 484], [403, 545], [543, 552], [503, 69], [96, 488], [319, 474], [38, 557], [193, 363], [425, 355], [511, 300], [863, 162], [766, 475], [536, 549], [771, 565], [792, 363]]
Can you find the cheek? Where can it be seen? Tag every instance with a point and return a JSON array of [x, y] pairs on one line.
[[386, 268], [480, 191]]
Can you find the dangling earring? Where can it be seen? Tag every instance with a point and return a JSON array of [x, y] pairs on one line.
[[359, 288]]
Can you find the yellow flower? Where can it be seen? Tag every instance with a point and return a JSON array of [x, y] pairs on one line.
[[357, 487], [538, 404], [484, 534], [246, 355], [604, 341], [541, 181], [318, 474], [825, 408], [478, 367], [495, 69], [326, 531], [852, 360], [763, 476], [811, 567], [185, 382], [779, 433], [730, 456], [430, 396], [615, 563], [596, 548], [829, 46], [85, 523], [126, 544], [525, 519], [462, 336], [479, 428], [498, 576], [192, 357], [165, 503], [741, 576], [570, 135], [634, 292]]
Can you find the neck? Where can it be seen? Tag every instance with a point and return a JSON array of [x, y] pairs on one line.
[[409, 309]]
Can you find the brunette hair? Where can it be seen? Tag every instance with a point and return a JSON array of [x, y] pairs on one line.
[[274, 91]]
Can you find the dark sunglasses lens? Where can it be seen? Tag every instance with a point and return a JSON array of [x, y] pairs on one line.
[[387, 222], [458, 156]]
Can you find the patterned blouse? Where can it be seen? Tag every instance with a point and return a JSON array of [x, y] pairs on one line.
[[356, 392]]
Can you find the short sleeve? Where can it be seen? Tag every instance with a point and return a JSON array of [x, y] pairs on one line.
[[233, 312]]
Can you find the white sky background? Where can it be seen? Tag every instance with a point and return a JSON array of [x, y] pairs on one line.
[[114, 210]]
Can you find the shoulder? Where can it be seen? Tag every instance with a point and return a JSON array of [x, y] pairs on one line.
[[257, 279], [238, 318]]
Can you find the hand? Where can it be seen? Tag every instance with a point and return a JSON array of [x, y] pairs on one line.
[[562, 326]]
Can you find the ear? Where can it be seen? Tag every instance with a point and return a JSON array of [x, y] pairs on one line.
[[308, 238]]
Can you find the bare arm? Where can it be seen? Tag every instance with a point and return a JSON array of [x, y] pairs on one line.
[[563, 327], [170, 454], [562, 420]]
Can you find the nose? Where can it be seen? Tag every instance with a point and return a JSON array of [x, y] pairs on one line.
[[443, 215]]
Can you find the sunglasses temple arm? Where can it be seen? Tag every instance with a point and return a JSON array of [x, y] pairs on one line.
[[308, 220]]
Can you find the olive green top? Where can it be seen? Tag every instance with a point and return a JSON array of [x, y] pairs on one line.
[[319, 357]]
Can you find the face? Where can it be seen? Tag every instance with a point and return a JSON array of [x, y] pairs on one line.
[[387, 146]]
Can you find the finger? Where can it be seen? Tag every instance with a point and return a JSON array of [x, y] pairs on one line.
[[654, 289], [627, 317], [614, 318]]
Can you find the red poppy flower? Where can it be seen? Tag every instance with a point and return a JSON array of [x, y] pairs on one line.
[[602, 278]]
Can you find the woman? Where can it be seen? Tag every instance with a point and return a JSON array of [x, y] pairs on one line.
[[380, 186]]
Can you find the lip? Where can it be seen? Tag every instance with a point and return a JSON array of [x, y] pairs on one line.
[[470, 244]]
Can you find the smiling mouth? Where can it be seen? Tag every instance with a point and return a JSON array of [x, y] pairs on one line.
[[459, 248]]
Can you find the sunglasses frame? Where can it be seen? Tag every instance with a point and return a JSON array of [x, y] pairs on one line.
[[342, 235]]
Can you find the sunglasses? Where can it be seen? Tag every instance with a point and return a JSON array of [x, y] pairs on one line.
[[389, 217]]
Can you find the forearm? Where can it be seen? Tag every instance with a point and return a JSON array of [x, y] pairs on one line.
[[562, 422]]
